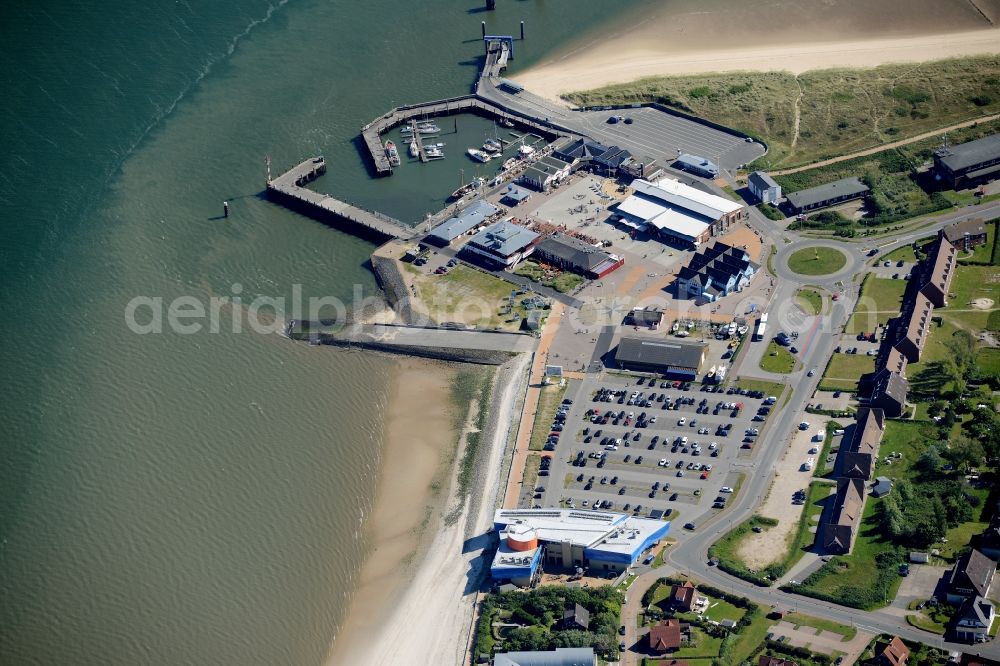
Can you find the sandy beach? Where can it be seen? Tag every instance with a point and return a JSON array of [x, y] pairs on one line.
[[417, 590], [683, 37], [418, 442]]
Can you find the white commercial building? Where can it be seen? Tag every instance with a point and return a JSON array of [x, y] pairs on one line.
[[568, 538], [679, 212]]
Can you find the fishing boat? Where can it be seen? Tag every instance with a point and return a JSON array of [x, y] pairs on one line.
[[392, 153], [466, 189], [479, 155]]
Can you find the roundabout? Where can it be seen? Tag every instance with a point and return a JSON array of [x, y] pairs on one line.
[[817, 260]]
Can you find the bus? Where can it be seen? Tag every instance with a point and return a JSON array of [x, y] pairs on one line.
[[761, 327]]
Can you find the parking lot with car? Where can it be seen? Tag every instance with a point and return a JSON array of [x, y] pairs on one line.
[[638, 445]]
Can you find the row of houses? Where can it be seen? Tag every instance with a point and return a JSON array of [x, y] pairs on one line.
[[677, 212], [884, 393], [853, 468], [715, 272], [906, 335]]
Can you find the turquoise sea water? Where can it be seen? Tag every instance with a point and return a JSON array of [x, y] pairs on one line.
[[173, 499]]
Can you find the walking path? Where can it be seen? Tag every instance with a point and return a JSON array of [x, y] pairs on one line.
[[531, 406], [884, 146]]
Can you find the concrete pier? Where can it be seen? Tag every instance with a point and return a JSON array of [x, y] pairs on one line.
[[289, 189], [449, 344]]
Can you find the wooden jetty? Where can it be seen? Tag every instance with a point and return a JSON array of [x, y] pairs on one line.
[[289, 189]]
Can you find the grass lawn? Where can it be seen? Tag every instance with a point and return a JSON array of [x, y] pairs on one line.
[[880, 300], [777, 359], [905, 253], [719, 610], [970, 283], [958, 538], [934, 619], [703, 645], [561, 281], [908, 438], [750, 638], [463, 294], [822, 468], [925, 380], [803, 537], [849, 575], [988, 361], [548, 402], [835, 104], [810, 300], [817, 261], [768, 388], [800, 619], [844, 371]]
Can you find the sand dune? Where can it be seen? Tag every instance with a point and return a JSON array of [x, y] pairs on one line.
[[686, 38]]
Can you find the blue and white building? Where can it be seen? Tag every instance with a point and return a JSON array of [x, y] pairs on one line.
[[718, 271], [600, 541]]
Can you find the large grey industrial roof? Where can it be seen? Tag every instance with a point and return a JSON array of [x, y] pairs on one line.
[[970, 154], [573, 251], [657, 352], [503, 238], [838, 188], [468, 219]]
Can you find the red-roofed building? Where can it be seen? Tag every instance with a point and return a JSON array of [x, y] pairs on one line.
[[683, 597], [893, 653], [666, 636]]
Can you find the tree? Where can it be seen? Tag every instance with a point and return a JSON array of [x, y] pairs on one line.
[[965, 452], [963, 349], [929, 463]]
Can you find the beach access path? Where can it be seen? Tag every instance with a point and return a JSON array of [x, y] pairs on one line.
[[434, 616], [886, 146], [527, 420]]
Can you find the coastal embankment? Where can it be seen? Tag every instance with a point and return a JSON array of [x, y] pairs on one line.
[[425, 606], [687, 37]]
